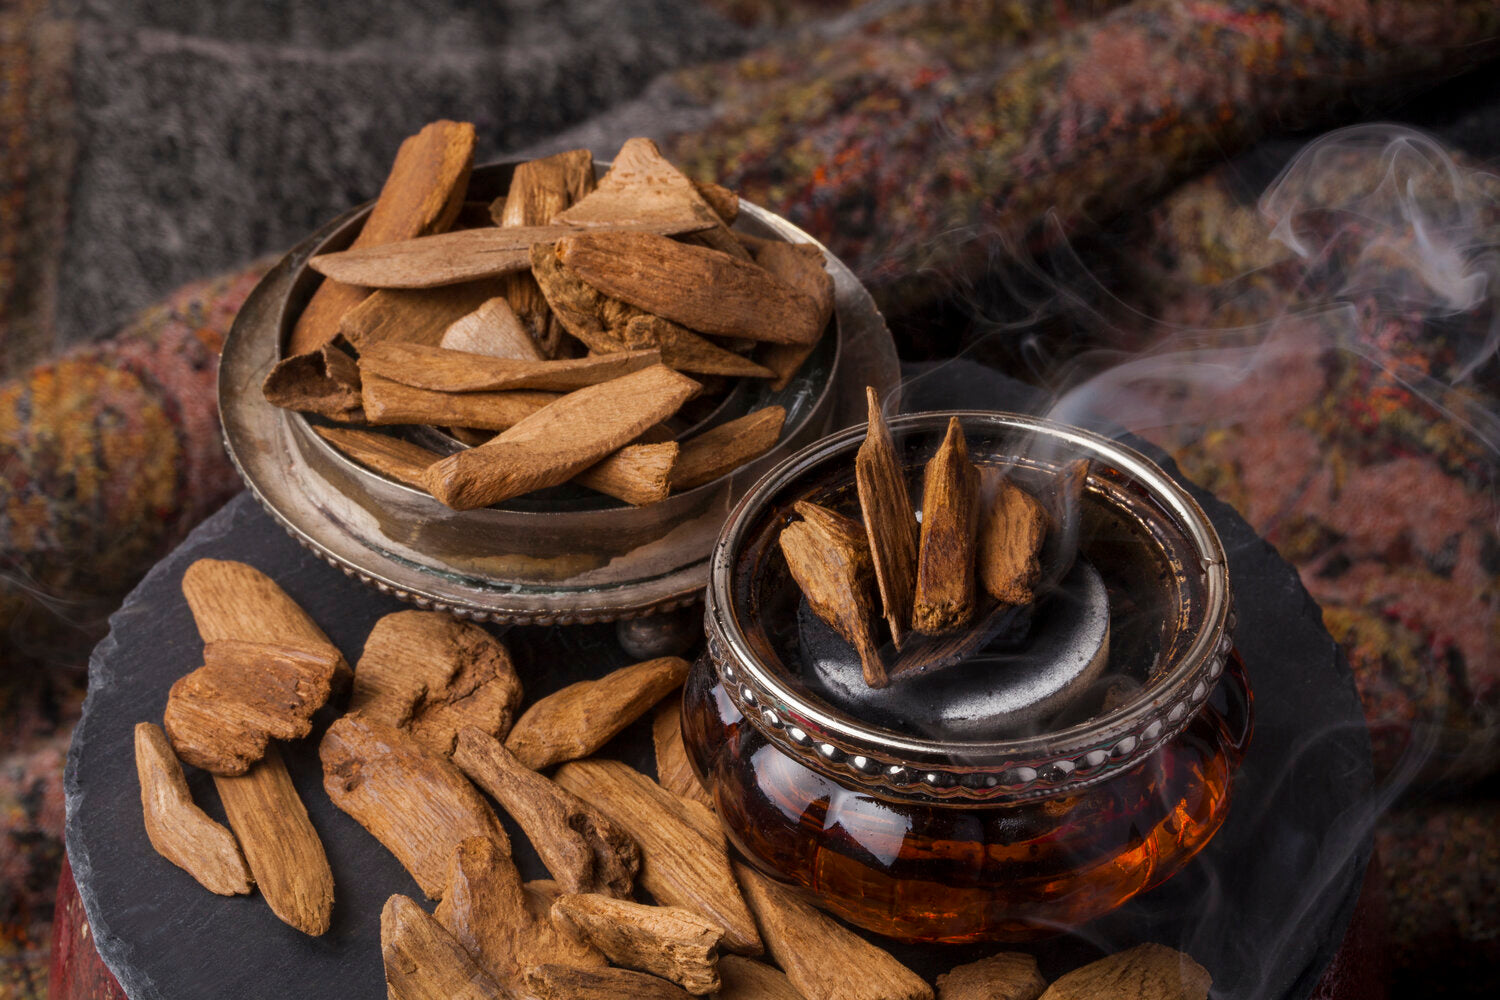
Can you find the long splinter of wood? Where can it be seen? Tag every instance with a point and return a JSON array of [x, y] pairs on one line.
[[726, 447], [944, 599], [829, 558], [179, 830], [890, 521], [388, 402], [667, 941], [392, 457], [442, 370], [582, 849]]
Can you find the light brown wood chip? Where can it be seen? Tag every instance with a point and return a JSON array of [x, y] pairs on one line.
[[388, 402], [443, 370], [324, 381], [414, 317], [667, 941], [539, 190], [424, 962], [233, 600], [673, 772], [221, 716], [944, 598], [559, 982], [823, 959], [722, 449], [699, 288], [560, 441], [638, 473], [683, 866], [416, 803], [890, 520], [582, 717], [747, 979], [800, 265], [583, 850], [504, 925], [433, 675], [1145, 972], [282, 848], [422, 194], [390, 456], [1010, 537], [179, 830], [493, 330], [1010, 975]]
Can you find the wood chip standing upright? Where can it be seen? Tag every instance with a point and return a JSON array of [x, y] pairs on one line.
[[424, 962], [539, 190], [890, 520], [944, 599], [422, 194], [179, 830], [824, 960], [829, 557], [1145, 972], [1010, 537]]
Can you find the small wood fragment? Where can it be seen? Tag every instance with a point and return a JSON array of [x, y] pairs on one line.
[[1010, 975], [233, 600], [492, 329], [641, 185], [605, 325], [560, 982], [560, 441], [424, 962], [1145, 972], [944, 599], [747, 979], [699, 288], [416, 803], [324, 381], [722, 449], [673, 771], [539, 190], [682, 866], [829, 557], [724, 202], [465, 256], [414, 317], [638, 473], [433, 675], [822, 959], [390, 456], [179, 830], [802, 266], [442, 370], [582, 717], [1010, 539], [388, 402], [282, 848], [221, 716], [505, 926], [890, 521], [667, 941], [582, 849], [422, 194]]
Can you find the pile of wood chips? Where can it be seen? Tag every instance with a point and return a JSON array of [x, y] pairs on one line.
[[558, 331], [431, 721]]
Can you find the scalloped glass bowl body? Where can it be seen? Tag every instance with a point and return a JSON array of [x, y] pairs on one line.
[[949, 841]]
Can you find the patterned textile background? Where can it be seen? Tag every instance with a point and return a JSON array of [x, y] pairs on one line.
[[1023, 180]]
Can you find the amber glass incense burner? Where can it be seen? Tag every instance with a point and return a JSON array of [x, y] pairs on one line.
[[1040, 828]]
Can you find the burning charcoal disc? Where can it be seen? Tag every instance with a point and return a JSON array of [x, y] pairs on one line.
[[1021, 678]]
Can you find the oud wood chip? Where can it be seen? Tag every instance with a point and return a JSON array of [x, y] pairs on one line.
[[506, 926], [683, 865], [388, 402], [673, 771], [1010, 975], [465, 256], [606, 326], [800, 265], [582, 849], [724, 202], [560, 441], [422, 194], [638, 473], [747, 979], [432, 675], [724, 448], [829, 558], [391, 457], [890, 521], [540, 190], [944, 600], [493, 330], [560, 982], [821, 958], [582, 717], [231, 600], [1145, 972], [442, 370], [643, 186], [1010, 539], [416, 317], [324, 381], [416, 803], [667, 941], [282, 848], [699, 288], [424, 962], [179, 830], [221, 716]]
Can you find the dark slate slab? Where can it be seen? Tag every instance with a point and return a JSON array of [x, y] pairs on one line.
[[1264, 907]]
